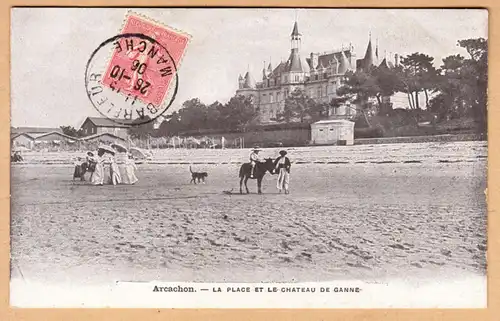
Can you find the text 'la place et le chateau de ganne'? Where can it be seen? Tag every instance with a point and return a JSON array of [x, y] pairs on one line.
[[260, 289]]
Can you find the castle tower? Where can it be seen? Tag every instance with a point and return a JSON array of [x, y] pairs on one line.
[[295, 37], [241, 82], [344, 64], [249, 81], [295, 67], [264, 72], [367, 61]]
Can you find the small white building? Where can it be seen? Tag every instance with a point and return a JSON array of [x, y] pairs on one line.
[[332, 132]]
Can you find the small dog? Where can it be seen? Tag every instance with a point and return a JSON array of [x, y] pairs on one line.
[[198, 176]]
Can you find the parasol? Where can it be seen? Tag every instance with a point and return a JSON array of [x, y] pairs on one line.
[[119, 148], [137, 153], [107, 149]]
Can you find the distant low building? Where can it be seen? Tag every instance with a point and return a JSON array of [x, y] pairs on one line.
[[33, 130], [99, 125], [333, 131], [104, 138], [22, 140], [55, 137]]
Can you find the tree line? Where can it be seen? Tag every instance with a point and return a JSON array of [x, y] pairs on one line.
[[459, 85]]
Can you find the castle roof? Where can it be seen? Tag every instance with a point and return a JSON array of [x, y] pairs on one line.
[[327, 59], [384, 64], [296, 63], [344, 64], [367, 61], [249, 81], [295, 31], [279, 69]]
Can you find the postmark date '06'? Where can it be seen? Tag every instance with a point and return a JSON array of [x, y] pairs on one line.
[[124, 113], [119, 73]]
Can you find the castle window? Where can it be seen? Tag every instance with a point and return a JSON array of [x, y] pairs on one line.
[[316, 77], [271, 98], [296, 78]]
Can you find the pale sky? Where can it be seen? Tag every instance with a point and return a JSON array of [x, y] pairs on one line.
[[50, 47]]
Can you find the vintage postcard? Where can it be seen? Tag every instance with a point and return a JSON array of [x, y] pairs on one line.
[[248, 158]]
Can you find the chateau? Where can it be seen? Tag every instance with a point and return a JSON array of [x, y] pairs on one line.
[[318, 76]]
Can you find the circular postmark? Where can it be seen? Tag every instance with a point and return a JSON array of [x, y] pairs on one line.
[[131, 79]]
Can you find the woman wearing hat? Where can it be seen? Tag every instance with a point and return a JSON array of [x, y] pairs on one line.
[[97, 177], [254, 158], [282, 165]]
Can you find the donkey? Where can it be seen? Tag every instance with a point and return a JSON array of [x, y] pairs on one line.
[[260, 170]]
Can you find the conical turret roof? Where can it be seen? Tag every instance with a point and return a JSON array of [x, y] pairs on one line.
[[295, 31], [344, 64], [295, 63], [249, 80], [368, 59]]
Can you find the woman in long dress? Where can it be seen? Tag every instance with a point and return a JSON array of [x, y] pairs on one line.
[[115, 172], [97, 177], [121, 161], [130, 168]]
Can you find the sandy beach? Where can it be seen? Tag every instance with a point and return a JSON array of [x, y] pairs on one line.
[[360, 221]]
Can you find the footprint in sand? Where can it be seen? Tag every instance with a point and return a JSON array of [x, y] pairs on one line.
[[446, 252], [398, 246]]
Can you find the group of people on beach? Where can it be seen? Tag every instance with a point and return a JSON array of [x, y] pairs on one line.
[[114, 166], [281, 167], [107, 166]]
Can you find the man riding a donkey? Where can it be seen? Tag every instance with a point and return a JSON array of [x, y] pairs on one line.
[[256, 169]]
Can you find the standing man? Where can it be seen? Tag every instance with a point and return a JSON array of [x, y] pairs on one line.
[[254, 158], [282, 165]]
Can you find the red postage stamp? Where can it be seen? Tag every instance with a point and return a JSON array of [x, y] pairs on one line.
[[143, 69]]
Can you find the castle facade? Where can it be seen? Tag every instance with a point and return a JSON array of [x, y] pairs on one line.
[[317, 75]]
